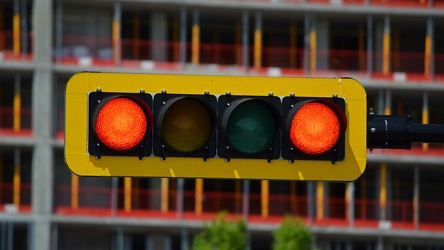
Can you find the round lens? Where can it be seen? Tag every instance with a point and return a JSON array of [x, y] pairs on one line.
[[251, 127], [186, 126], [121, 124], [315, 128]]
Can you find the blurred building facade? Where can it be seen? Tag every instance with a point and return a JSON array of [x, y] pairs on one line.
[[394, 47]]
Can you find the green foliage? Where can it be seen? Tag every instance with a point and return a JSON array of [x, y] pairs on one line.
[[222, 235], [292, 235]]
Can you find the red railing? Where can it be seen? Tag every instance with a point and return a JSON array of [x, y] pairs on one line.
[[282, 57], [145, 202], [60, 125], [7, 47], [409, 62], [428, 210], [7, 197], [155, 55], [86, 46], [342, 60], [138, 49], [439, 64], [401, 3], [396, 3], [387, 3], [6, 41], [7, 121], [366, 209], [416, 150], [224, 54]]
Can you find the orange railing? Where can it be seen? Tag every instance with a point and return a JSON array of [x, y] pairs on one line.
[[98, 201]]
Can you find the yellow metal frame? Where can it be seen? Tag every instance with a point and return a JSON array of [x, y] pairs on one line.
[[81, 163]]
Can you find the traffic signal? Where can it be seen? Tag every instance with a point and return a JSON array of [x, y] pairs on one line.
[[249, 127], [185, 125], [215, 127], [314, 128], [120, 124]]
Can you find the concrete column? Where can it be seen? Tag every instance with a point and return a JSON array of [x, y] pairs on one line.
[[307, 28], [380, 100], [160, 242], [370, 45], [380, 243], [326, 202], [180, 198], [58, 30], [42, 160], [117, 17], [246, 199], [183, 239], [24, 28], [159, 35], [310, 202], [416, 197], [154, 200], [379, 37], [16, 45], [183, 35], [350, 201], [245, 43], [322, 244], [322, 44], [114, 194]]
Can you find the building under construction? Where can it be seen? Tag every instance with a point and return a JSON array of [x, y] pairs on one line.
[[395, 48]]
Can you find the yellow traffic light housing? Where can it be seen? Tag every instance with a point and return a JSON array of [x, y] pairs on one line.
[[215, 126]]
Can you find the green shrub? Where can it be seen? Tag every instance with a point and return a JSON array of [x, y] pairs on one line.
[[222, 235], [292, 235]]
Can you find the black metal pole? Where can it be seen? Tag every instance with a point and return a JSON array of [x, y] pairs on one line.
[[431, 133], [398, 132]]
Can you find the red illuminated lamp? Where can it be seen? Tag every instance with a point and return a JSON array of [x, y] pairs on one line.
[[121, 124], [315, 128]]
